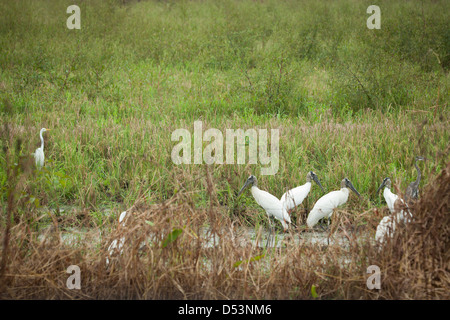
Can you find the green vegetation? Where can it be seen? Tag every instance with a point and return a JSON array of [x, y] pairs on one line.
[[348, 101]]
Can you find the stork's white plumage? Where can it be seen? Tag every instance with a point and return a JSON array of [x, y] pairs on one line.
[[387, 225], [294, 197], [390, 198], [122, 217], [116, 245], [271, 204], [399, 212], [325, 205], [394, 202]]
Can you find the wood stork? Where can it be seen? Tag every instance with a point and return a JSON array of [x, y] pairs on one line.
[[326, 204], [271, 204], [412, 192], [387, 225], [389, 196], [294, 197], [116, 245], [39, 153], [399, 212]]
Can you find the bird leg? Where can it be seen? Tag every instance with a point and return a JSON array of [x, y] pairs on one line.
[[321, 226], [270, 232]]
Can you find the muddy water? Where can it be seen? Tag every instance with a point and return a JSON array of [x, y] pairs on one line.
[[243, 236], [257, 237]]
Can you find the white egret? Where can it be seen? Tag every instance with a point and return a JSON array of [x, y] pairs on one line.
[[326, 204], [116, 245], [396, 206], [412, 192], [39, 153], [271, 204]]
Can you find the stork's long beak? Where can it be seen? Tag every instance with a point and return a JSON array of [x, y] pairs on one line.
[[318, 182], [350, 185], [381, 186], [243, 188]]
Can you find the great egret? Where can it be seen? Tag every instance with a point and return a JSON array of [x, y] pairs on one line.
[[412, 192], [116, 245], [326, 204], [268, 202], [39, 153], [294, 197], [396, 206]]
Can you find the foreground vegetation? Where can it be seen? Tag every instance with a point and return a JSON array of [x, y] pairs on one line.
[[168, 254], [348, 101]]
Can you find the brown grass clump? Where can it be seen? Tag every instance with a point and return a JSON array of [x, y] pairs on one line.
[[175, 251], [415, 263]]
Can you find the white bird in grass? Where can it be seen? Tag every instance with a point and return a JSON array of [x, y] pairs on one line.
[[271, 204], [117, 244], [391, 198], [39, 153], [325, 205], [294, 197], [396, 206]]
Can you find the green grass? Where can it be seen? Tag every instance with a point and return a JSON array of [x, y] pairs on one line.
[[349, 101]]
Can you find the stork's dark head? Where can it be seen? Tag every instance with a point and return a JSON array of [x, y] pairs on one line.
[[386, 183], [346, 183], [312, 176], [250, 181]]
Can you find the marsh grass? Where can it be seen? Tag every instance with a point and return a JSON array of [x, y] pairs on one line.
[[155, 264], [348, 101]]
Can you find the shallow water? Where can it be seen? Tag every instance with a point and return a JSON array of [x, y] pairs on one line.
[[257, 237], [242, 236]]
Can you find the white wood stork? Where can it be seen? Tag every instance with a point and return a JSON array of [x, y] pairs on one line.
[[412, 192], [294, 197], [39, 153], [389, 196], [116, 245], [271, 204], [399, 212], [326, 204]]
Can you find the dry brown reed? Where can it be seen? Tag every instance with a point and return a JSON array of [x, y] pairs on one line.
[[416, 260], [174, 250]]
